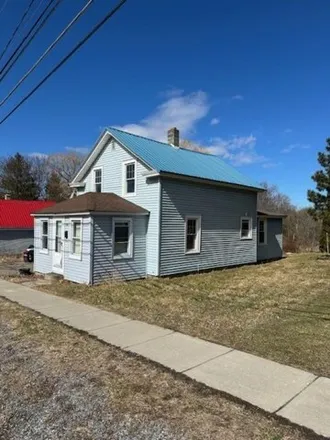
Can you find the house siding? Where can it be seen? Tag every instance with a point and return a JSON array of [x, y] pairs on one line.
[[74, 269], [274, 247], [147, 193], [14, 241], [104, 267], [221, 210]]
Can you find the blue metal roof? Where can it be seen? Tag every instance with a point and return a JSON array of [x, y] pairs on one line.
[[163, 157]]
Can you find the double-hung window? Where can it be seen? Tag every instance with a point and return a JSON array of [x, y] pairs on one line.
[[262, 231], [129, 178], [246, 228], [98, 180], [76, 233], [122, 238], [193, 235], [44, 235]]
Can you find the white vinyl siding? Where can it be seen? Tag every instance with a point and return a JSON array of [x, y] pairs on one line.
[[221, 210], [147, 193]]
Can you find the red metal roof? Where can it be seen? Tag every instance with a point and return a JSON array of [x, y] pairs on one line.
[[16, 214]]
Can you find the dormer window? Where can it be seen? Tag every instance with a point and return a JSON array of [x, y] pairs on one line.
[[129, 181], [98, 180]]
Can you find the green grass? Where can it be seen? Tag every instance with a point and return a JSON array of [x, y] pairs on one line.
[[279, 310]]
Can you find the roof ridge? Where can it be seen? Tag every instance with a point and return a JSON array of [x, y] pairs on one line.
[[160, 142], [142, 137]]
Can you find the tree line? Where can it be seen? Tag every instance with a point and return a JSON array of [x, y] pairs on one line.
[[39, 177], [48, 177]]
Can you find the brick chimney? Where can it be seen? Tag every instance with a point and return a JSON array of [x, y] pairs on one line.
[[173, 136]]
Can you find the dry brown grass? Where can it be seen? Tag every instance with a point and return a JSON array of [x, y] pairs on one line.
[[128, 385], [279, 310]]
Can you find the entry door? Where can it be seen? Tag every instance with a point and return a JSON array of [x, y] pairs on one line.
[[58, 253]]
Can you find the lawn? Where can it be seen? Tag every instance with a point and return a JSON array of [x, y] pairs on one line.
[[56, 383], [279, 310]]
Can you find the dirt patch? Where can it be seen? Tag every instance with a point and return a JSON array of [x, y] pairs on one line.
[[58, 384]]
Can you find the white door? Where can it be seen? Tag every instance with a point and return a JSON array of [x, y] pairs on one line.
[[58, 253]]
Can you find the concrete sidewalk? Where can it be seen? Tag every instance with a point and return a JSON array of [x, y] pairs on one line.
[[296, 395]]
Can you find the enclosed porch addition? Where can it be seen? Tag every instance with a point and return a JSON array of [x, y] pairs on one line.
[[92, 238], [270, 236]]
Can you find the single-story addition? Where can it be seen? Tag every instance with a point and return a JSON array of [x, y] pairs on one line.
[[16, 224], [142, 208]]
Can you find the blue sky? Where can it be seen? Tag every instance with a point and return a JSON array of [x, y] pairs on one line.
[[249, 79]]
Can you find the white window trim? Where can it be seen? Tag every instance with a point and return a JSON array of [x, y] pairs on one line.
[[94, 184], [129, 254], [44, 250], [249, 237], [199, 234], [73, 256], [124, 181], [265, 231]]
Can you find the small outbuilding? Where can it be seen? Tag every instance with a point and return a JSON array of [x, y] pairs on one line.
[[16, 224]]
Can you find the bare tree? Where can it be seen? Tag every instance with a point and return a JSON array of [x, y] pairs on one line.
[[65, 166]]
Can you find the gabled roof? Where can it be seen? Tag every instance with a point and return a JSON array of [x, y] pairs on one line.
[[93, 202], [16, 214], [270, 214], [164, 158]]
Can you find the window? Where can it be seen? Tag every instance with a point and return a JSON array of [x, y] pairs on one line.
[[58, 236], [246, 228], [262, 231], [129, 178], [193, 235], [76, 237], [44, 235], [123, 238], [98, 180]]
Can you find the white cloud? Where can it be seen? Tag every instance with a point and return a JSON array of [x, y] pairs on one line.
[[79, 150], [181, 111], [240, 150], [237, 98], [38, 155], [288, 130], [214, 121], [292, 147]]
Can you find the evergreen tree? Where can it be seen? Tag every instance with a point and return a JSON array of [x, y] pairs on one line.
[[55, 189], [16, 178], [321, 197]]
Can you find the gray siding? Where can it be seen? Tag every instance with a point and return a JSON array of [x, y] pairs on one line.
[[221, 210], [76, 270], [274, 247], [104, 267], [147, 194], [14, 241]]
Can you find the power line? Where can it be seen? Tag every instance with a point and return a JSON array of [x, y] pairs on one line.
[[3, 6], [66, 58], [17, 28], [60, 36], [20, 49]]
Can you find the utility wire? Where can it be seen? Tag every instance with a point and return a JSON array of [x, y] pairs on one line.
[[31, 16], [60, 36], [20, 49], [66, 58], [17, 28], [3, 6]]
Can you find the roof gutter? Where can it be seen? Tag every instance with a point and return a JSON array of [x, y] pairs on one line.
[[202, 180]]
